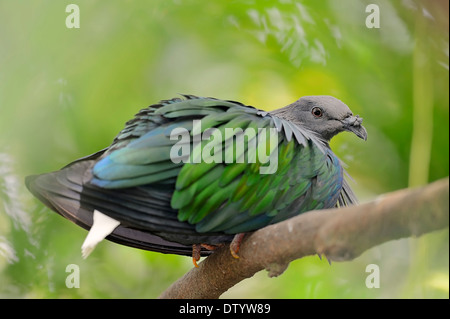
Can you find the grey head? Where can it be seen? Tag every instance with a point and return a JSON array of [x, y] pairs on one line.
[[324, 115]]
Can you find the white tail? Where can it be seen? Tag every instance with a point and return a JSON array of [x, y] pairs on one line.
[[102, 226]]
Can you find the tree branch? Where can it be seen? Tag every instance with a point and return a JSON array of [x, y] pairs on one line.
[[340, 234]]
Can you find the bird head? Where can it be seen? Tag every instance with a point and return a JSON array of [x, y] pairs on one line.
[[326, 116]]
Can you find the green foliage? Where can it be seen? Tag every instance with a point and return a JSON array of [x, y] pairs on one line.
[[65, 93]]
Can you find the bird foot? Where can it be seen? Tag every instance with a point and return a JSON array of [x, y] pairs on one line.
[[196, 249], [211, 247], [236, 244]]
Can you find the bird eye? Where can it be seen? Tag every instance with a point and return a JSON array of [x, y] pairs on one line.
[[317, 112]]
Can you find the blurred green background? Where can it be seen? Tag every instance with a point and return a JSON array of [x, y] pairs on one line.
[[65, 93]]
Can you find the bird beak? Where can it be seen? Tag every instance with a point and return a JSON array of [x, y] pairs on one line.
[[353, 124]]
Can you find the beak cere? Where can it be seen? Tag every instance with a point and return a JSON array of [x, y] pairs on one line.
[[353, 124]]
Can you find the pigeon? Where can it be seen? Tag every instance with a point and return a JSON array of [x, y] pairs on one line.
[[190, 174]]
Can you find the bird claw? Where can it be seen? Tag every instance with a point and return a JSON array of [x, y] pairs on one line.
[[234, 248], [196, 251], [211, 247], [196, 248], [236, 244]]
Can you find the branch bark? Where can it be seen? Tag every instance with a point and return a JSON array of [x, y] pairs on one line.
[[340, 234]]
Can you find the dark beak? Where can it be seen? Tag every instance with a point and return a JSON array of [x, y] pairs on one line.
[[353, 124]]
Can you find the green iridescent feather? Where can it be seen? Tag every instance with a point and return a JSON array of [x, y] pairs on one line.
[[228, 196]]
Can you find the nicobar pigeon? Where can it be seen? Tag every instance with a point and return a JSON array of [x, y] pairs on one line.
[[136, 192]]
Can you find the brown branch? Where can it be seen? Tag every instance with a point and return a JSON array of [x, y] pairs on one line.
[[340, 234]]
